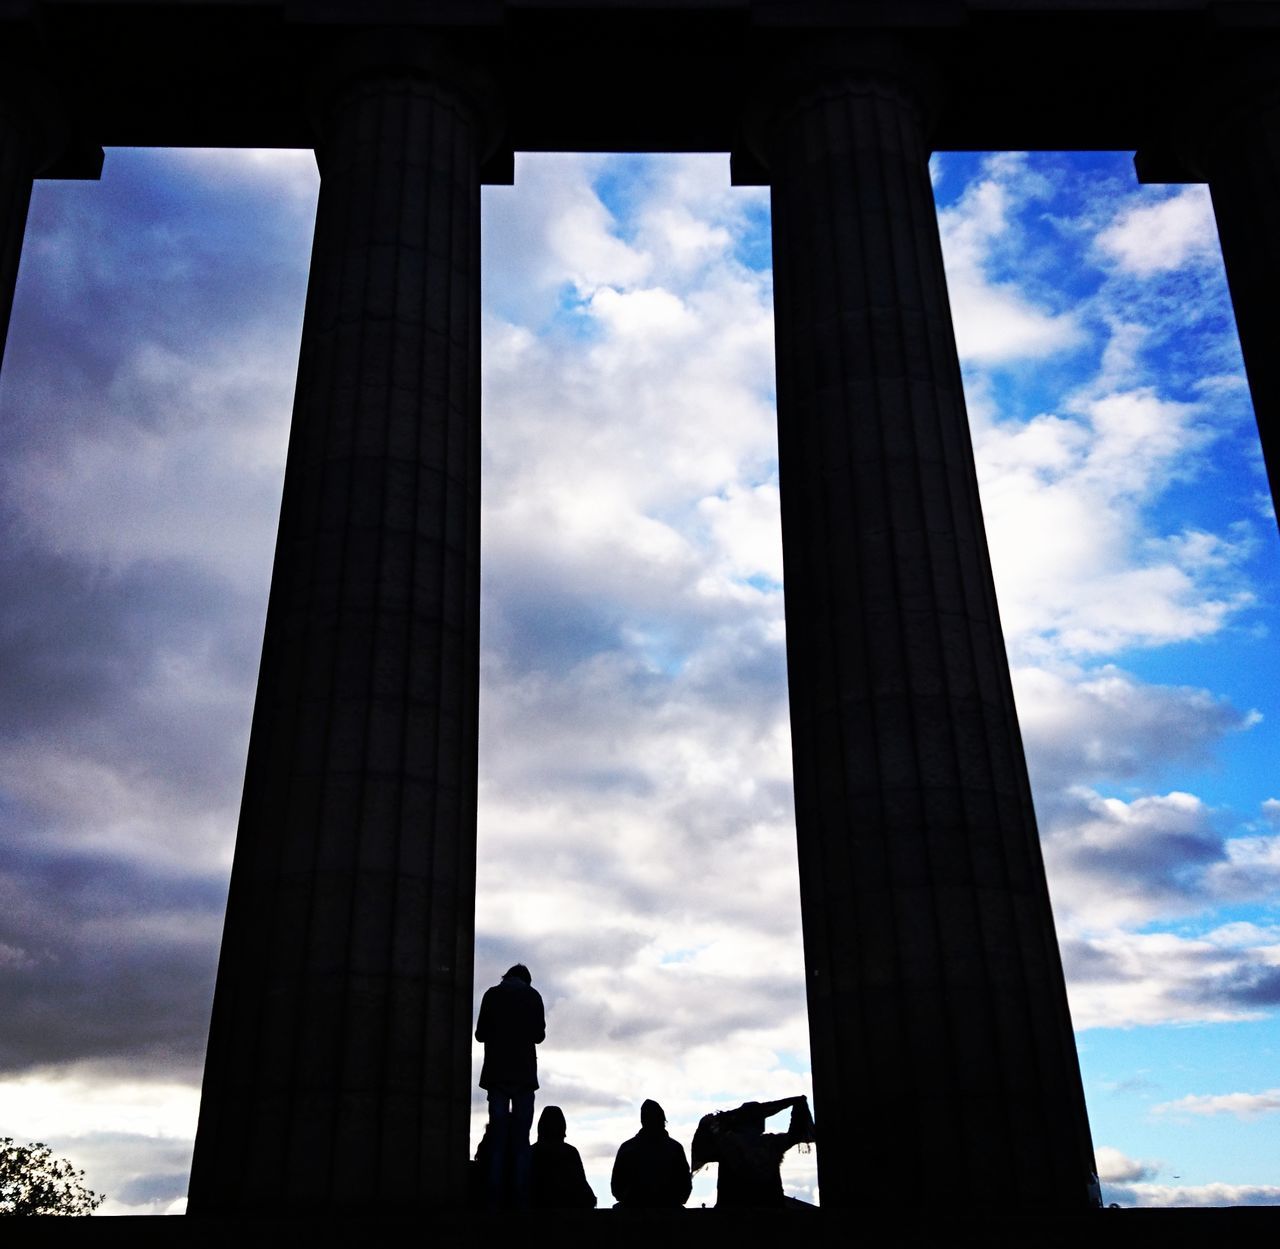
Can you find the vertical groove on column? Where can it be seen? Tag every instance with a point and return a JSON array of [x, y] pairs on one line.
[[946, 1142], [972, 1042], [937, 1006], [342, 1003], [1244, 180], [17, 162]]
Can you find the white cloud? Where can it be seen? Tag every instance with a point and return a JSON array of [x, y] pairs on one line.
[[1125, 979], [1179, 1195], [54, 1106], [548, 232], [1244, 934], [1241, 1105], [281, 171], [637, 839], [1116, 1168], [746, 525], [1076, 566], [1251, 869], [995, 321], [1154, 238]]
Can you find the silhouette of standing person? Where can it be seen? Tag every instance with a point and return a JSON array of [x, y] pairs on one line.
[[750, 1157], [558, 1181], [651, 1170], [511, 1023]]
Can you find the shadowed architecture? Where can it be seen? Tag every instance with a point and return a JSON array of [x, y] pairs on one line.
[[943, 1057]]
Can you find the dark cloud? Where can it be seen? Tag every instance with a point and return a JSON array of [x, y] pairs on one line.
[[153, 255], [1248, 985], [674, 1012], [130, 1169], [575, 1096], [145, 1189], [1125, 978], [540, 626], [1110, 860], [634, 691], [1105, 724], [81, 644], [553, 957], [116, 965], [68, 640], [1083, 962]]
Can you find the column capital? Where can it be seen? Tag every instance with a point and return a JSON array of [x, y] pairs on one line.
[[30, 100], [39, 100], [784, 83], [1236, 94], [387, 54]]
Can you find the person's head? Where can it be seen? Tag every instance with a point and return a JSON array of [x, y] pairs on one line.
[[652, 1115], [551, 1124], [520, 972], [749, 1119]]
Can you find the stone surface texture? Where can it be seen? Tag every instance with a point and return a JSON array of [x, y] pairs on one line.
[[944, 1065], [17, 164], [1243, 166], [339, 1060]]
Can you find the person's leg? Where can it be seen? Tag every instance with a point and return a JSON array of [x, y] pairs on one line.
[[499, 1134], [521, 1122]]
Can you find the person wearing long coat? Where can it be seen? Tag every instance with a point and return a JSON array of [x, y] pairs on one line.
[[511, 1024]]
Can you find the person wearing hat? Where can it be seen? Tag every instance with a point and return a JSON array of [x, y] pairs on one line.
[[651, 1171]]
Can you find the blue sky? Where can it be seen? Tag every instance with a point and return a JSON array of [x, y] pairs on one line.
[[636, 834]]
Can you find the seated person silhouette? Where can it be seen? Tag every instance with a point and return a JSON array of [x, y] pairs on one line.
[[651, 1171], [558, 1180], [479, 1173], [749, 1157]]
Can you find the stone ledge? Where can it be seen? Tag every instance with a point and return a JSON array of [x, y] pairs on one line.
[[1240, 1227]]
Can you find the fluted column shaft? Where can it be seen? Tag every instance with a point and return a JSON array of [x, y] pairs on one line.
[[18, 150], [338, 1069], [944, 1064], [1243, 165]]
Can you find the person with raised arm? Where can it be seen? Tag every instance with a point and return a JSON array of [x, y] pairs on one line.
[[750, 1158]]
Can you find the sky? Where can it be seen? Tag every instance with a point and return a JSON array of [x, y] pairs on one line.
[[636, 832]]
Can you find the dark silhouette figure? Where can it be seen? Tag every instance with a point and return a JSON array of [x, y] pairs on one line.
[[651, 1170], [511, 1023], [558, 1181], [749, 1157], [478, 1175]]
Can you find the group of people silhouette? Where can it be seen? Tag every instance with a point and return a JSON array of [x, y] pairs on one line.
[[650, 1171]]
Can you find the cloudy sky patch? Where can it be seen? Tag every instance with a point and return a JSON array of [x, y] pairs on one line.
[[636, 828]]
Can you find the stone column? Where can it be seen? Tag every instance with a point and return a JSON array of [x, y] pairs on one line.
[[944, 1064], [1243, 166], [18, 160], [338, 1070]]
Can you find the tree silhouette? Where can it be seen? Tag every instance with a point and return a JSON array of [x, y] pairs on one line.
[[33, 1181]]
